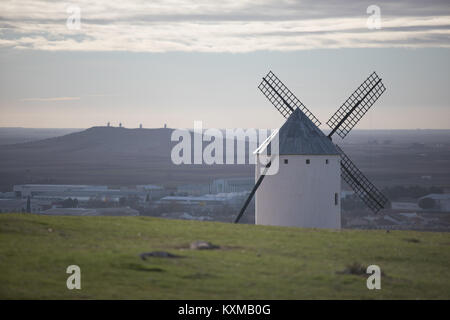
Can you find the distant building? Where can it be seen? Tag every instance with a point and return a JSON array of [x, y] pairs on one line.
[[33, 190], [125, 211], [442, 200], [409, 206], [232, 185], [194, 189], [225, 185], [7, 195], [232, 199], [84, 193], [20, 205], [193, 200], [155, 192]]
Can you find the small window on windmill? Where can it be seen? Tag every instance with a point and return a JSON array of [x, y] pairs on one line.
[[336, 199], [326, 161], [285, 161], [307, 161]]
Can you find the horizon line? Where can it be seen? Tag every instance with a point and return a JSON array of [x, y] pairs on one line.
[[132, 128]]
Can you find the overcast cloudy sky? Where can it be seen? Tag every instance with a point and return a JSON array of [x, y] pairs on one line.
[[177, 61]]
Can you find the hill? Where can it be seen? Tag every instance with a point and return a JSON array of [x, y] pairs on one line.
[[105, 156], [12, 135], [253, 262]]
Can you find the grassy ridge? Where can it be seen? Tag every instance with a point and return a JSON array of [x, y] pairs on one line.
[[254, 262]]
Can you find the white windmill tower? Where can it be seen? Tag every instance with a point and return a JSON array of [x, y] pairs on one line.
[[305, 191]]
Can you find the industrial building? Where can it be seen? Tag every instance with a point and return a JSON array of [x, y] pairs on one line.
[[86, 192], [442, 201]]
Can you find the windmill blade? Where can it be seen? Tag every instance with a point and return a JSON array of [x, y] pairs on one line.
[[356, 106], [371, 196], [252, 193], [250, 197], [282, 98]]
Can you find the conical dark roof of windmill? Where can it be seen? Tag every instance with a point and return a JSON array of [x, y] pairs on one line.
[[300, 136]]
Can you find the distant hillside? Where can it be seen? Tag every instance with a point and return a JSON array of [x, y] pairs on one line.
[[253, 262], [20, 135], [105, 155]]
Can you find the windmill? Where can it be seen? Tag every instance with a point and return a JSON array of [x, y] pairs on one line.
[[306, 190]]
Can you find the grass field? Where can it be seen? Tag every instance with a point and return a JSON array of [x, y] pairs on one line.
[[254, 262]]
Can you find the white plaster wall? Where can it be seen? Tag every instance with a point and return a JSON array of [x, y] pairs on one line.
[[300, 194]]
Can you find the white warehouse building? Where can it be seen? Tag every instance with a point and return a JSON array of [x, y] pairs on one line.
[[25, 190], [305, 192]]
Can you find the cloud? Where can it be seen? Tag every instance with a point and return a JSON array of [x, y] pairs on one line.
[[225, 26], [52, 99]]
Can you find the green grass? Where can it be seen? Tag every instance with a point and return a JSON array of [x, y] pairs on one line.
[[255, 262]]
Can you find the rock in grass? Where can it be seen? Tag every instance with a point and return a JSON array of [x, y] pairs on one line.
[[158, 254], [203, 245], [357, 269], [413, 240], [354, 268]]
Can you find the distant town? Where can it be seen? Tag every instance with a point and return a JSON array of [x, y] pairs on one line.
[[215, 201], [414, 208]]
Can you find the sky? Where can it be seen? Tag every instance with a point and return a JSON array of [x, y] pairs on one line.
[[178, 61]]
